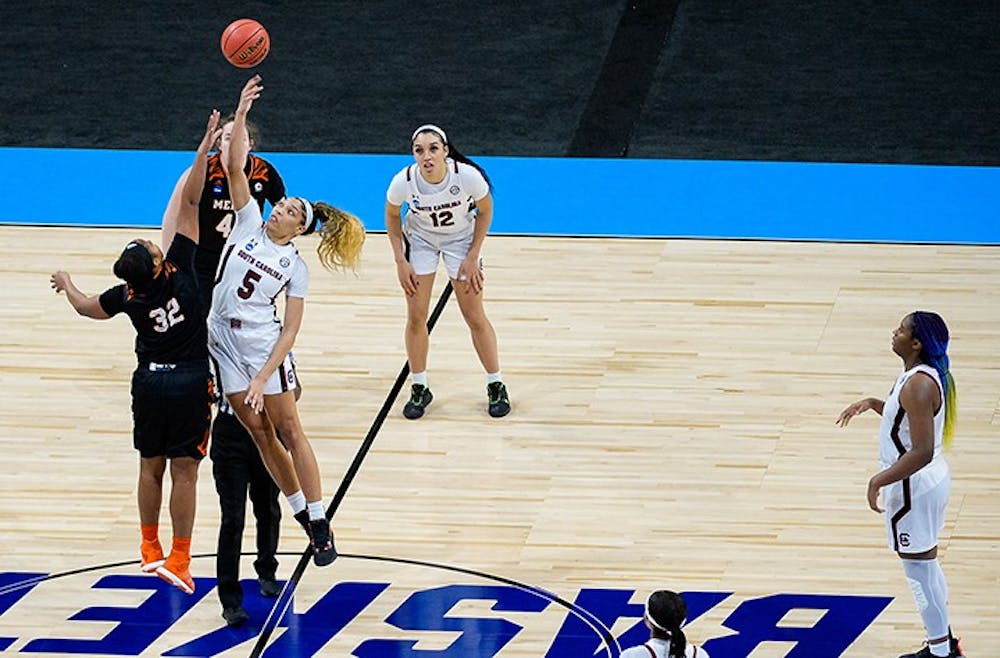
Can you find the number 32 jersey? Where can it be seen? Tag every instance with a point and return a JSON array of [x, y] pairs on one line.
[[253, 271], [167, 315], [439, 210]]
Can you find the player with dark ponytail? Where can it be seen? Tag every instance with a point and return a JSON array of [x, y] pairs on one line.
[[448, 210], [665, 613]]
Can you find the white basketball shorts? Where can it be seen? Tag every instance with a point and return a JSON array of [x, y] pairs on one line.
[[425, 255], [239, 352], [913, 520]]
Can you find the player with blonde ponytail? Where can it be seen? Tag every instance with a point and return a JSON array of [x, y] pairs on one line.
[[250, 348], [342, 236]]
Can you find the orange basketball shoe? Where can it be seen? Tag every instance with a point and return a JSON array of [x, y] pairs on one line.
[[152, 556], [175, 570]]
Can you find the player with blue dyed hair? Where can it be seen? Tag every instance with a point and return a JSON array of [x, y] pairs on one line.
[[917, 422]]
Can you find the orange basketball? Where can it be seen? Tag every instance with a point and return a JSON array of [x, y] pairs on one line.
[[245, 43]]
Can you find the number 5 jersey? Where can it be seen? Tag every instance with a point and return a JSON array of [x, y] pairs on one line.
[[253, 271]]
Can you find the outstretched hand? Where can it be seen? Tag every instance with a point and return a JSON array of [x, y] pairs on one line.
[[850, 412], [251, 92], [212, 133], [60, 281]]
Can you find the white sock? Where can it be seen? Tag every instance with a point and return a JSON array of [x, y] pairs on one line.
[[494, 377], [930, 592], [316, 510], [419, 378], [297, 501]]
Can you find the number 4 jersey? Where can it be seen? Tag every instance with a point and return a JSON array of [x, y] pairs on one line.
[[439, 210], [254, 270], [215, 210], [167, 314]]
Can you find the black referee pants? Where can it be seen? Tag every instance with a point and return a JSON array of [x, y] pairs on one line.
[[237, 468]]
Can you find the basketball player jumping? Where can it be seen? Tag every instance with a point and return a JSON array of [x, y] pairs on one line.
[[248, 344]]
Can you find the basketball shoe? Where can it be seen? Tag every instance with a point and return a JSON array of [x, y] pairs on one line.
[[152, 556], [175, 570], [420, 397], [954, 650], [499, 403], [322, 542]]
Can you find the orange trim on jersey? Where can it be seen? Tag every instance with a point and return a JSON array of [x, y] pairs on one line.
[[258, 169]]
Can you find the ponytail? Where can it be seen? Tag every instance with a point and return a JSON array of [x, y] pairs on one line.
[[342, 237], [666, 612], [458, 156], [932, 332]]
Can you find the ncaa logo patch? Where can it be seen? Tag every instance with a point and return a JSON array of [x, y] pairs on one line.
[[217, 189], [258, 187]]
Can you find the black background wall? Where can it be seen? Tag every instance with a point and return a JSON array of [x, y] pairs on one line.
[[823, 80]]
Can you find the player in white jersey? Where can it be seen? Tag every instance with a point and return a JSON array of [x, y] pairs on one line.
[[664, 616], [251, 347], [449, 210], [917, 422]]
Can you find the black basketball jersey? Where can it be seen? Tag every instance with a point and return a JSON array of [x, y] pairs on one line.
[[215, 210], [168, 318]]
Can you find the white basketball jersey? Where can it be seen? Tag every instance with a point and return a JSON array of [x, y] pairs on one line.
[[657, 648], [440, 209], [894, 432], [254, 270]]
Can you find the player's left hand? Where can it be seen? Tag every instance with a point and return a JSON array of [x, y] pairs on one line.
[[255, 395], [873, 490], [471, 275]]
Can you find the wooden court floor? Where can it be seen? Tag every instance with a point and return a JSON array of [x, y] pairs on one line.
[[672, 426]]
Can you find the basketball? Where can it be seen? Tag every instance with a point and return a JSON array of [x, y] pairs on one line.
[[245, 43]]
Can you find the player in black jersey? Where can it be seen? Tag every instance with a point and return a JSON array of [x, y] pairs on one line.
[[237, 467], [215, 210], [171, 386]]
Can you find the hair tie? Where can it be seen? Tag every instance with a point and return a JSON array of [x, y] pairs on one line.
[[426, 127]]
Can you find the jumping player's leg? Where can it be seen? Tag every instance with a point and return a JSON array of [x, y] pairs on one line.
[[183, 487], [272, 452], [150, 498], [176, 570], [150, 493], [282, 411]]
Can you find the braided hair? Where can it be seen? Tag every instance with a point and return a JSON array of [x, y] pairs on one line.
[[666, 612], [929, 328]]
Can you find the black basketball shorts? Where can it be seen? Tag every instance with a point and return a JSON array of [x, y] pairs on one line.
[[172, 409]]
